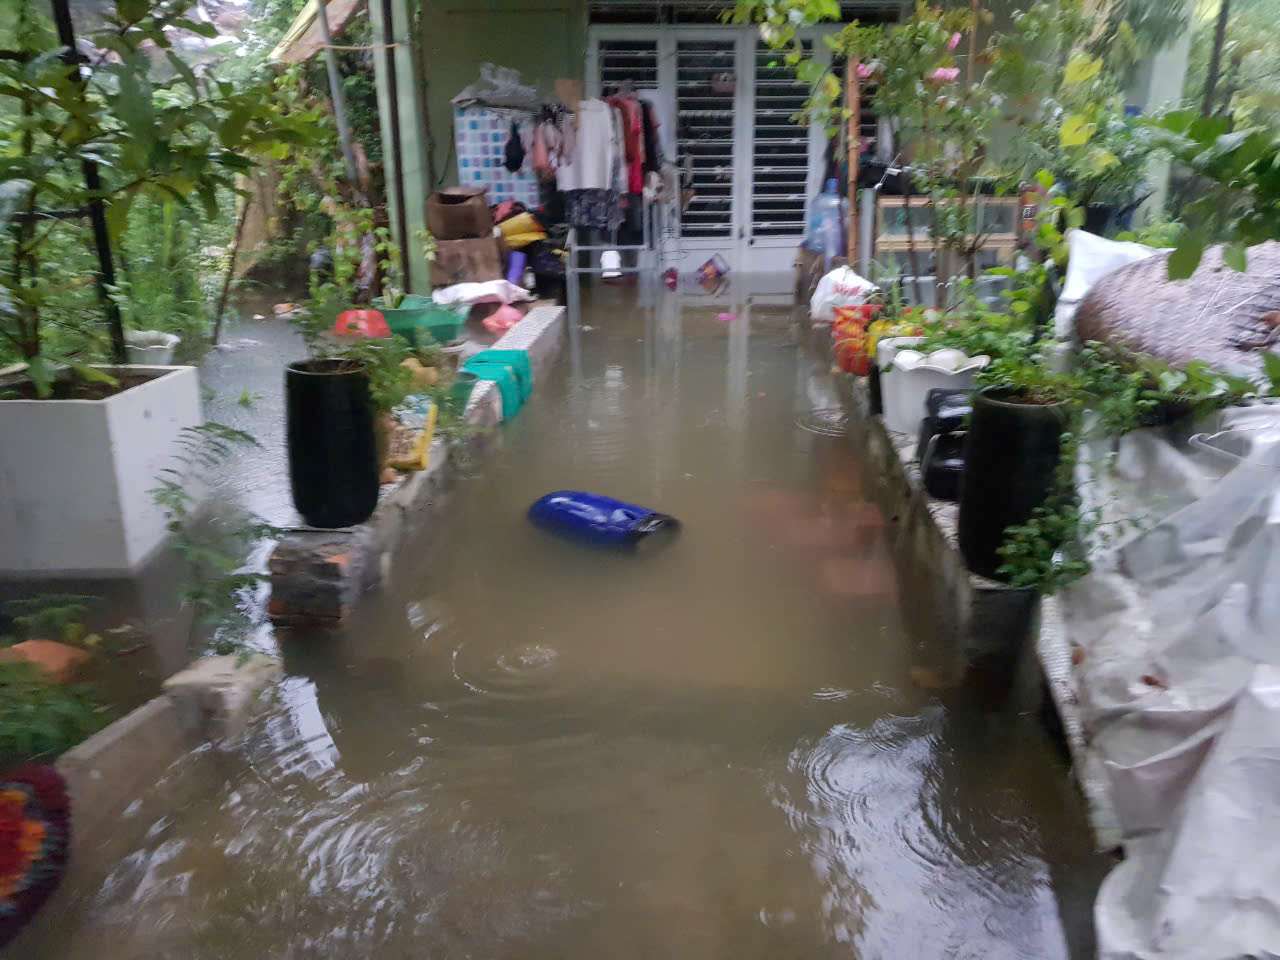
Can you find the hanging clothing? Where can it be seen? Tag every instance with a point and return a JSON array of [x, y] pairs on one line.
[[513, 155], [662, 116], [652, 152], [540, 154], [619, 179], [632, 122], [593, 209], [592, 155]]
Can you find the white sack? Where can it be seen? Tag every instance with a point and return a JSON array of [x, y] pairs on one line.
[[839, 288]]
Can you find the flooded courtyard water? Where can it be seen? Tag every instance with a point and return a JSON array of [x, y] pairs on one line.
[[524, 748]]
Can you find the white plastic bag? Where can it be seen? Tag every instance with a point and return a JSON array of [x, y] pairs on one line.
[[1091, 258], [491, 291], [839, 288]]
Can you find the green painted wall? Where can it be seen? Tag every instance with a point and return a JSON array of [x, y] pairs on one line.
[[543, 39]]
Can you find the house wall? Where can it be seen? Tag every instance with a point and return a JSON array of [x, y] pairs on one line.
[[543, 39]]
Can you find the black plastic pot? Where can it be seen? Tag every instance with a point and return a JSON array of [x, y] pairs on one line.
[[1011, 455], [1098, 217], [333, 457]]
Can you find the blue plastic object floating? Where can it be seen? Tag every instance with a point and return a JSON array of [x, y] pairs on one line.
[[598, 519]]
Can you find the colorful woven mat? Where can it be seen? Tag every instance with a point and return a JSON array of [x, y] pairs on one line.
[[35, 833]]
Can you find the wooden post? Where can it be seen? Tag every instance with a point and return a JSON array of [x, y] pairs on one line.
[[853, 103], [231, 270]]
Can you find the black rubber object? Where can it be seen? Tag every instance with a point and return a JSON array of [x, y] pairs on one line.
[[943, 466], [333, 457], [875, 393], [947, 412], [1011, 454]]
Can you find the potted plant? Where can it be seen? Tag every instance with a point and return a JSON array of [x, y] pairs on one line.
[[411, 314], [1012, 453], [338, 413], [84, 441]]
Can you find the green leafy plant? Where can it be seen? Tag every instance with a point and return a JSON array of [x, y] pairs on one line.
[[1123, 392], [219, 582], [382, 358], [153, 129], [1160, 232], [40, 720], [1237, 186], [49, 616], [1044, 553]]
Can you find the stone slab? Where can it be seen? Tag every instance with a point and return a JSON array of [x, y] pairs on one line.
[[217, 695]]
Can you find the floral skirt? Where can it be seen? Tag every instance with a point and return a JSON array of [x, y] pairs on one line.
[[593, 209]]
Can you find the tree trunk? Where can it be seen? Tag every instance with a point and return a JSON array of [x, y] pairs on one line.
[[231, 269], [1215, 58]]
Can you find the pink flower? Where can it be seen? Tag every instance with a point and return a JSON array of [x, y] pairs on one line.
[[954, 41], [945, 75], [866, 71]]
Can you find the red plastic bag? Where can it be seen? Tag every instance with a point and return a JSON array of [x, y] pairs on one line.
[[849, 331]]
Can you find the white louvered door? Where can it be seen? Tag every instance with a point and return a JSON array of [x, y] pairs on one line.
[[752, 168]]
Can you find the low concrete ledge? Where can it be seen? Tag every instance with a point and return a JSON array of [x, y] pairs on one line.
[[990, 618], [115, 766], [1054, 653], [318, 576], [211, 701]]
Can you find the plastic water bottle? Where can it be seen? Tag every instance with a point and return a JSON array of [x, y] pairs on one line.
[[828, 216]]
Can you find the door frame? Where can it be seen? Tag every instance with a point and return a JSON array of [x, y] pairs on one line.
[[741, 249]]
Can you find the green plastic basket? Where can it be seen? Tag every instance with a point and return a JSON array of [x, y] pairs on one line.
[[422, 314], [460, 392]]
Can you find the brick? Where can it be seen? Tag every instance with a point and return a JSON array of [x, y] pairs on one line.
[[59, 662]]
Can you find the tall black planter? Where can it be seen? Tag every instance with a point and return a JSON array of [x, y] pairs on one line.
[[333, 459], [1011, 456], [1099, 217]]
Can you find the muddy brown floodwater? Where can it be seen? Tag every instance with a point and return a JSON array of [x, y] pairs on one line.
[[527, 749]]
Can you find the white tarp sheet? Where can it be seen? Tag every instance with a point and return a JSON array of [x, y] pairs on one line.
[[1178, 637]]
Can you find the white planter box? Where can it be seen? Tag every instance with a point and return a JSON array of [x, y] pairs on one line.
[[906, 385], [76, 475]]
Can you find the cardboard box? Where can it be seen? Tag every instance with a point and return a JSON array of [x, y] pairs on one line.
[[459, 213], [466, 261]]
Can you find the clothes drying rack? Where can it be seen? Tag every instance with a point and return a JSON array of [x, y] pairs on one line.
[[660, 223]]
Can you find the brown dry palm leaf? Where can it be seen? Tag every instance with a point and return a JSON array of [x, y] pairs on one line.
[[1218, 315]]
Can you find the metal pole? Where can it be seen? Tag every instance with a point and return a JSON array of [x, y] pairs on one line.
[[336, 95], [393, 92], [93, 184]]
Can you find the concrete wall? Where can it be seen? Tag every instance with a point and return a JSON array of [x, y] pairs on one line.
[[543, 39]]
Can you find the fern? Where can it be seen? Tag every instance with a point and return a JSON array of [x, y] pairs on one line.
[[218, 585]]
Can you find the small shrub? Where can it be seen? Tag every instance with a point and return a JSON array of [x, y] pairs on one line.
[[40, 720]]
